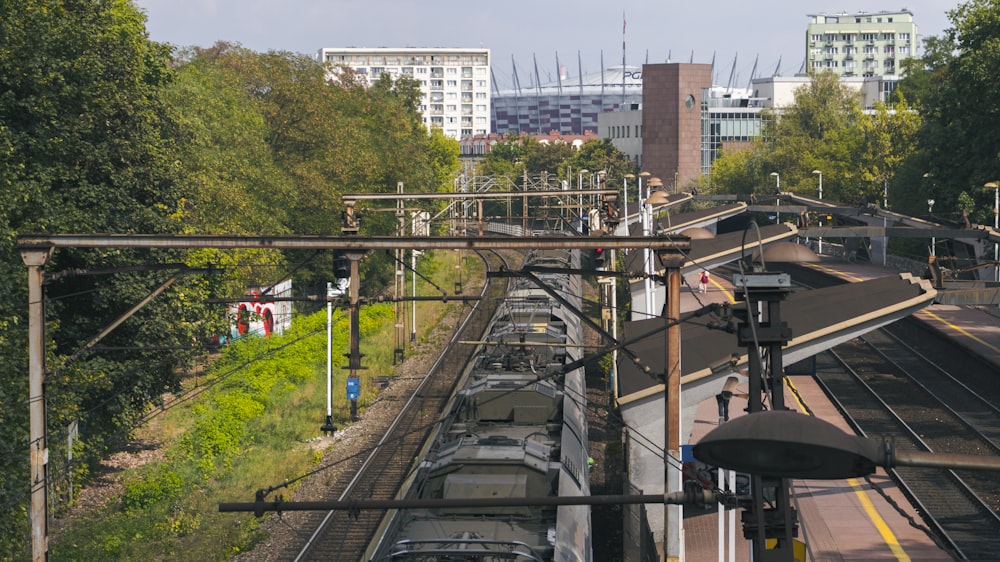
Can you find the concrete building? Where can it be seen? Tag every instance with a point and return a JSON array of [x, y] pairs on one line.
[[861, 43], [455, 82], [686, 123], [624, 128], [674, 96]]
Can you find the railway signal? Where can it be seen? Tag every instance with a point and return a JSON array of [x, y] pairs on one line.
[[597, 258]]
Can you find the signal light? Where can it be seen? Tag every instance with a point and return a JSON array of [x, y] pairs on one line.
[[341, 266], [598, 257]]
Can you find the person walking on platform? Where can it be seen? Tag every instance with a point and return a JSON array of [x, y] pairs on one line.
[[703, 282]]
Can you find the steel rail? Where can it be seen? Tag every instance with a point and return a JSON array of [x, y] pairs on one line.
[[945, 530], [389, 433]]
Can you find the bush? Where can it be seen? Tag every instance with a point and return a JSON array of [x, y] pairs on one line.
[[149, 489]]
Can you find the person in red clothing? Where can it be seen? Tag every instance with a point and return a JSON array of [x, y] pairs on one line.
[[703, 282]]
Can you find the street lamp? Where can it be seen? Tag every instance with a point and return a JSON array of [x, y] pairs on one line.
[[777, 191], [996, 222], [820, 174], [655, 199], [600, 179], [930, 209], [625, 194], [579, 197]]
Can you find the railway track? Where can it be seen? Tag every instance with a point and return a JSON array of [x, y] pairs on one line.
[[341, 535], [880, 400], [926, 392]]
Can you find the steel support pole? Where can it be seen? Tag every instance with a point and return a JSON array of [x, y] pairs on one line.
[[354, 355], [35, 259], [673, 515]]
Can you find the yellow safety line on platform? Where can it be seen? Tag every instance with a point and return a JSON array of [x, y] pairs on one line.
[[962, 331], [859, 492], [883, 528], [836, 271], [724, 290]]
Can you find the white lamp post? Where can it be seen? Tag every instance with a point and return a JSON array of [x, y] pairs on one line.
[[777, 191], [885, 237], [625, 195], [654, 199], [579, 200], [820, 174], [996, 222], [930, 209]]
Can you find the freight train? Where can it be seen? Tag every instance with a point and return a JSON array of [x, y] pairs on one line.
[[516, 428]]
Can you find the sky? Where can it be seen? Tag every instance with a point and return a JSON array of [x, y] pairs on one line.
[[770, 33]]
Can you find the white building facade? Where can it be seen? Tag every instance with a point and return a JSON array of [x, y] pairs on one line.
[[455, 82], [860, 44]]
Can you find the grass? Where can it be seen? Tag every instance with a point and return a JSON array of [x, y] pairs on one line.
[[255, 427]]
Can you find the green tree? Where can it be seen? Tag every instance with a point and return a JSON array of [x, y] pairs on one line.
[[884, 140], [959, 98], [86, 147]]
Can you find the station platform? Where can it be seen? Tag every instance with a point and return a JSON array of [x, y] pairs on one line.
[[839, 520]]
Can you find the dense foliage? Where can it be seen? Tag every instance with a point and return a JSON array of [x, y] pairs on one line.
[[937, 138], [824, 130], [955, 89], [105, 131]]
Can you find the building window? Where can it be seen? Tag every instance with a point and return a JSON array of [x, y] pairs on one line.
[[452, 83], [480, 95], [903, 36]]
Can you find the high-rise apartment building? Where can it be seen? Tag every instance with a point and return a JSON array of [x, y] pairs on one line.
[[455, 82], [860, 44]]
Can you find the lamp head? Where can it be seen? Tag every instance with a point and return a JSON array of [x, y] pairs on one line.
[[786, 444], [658, 198]]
